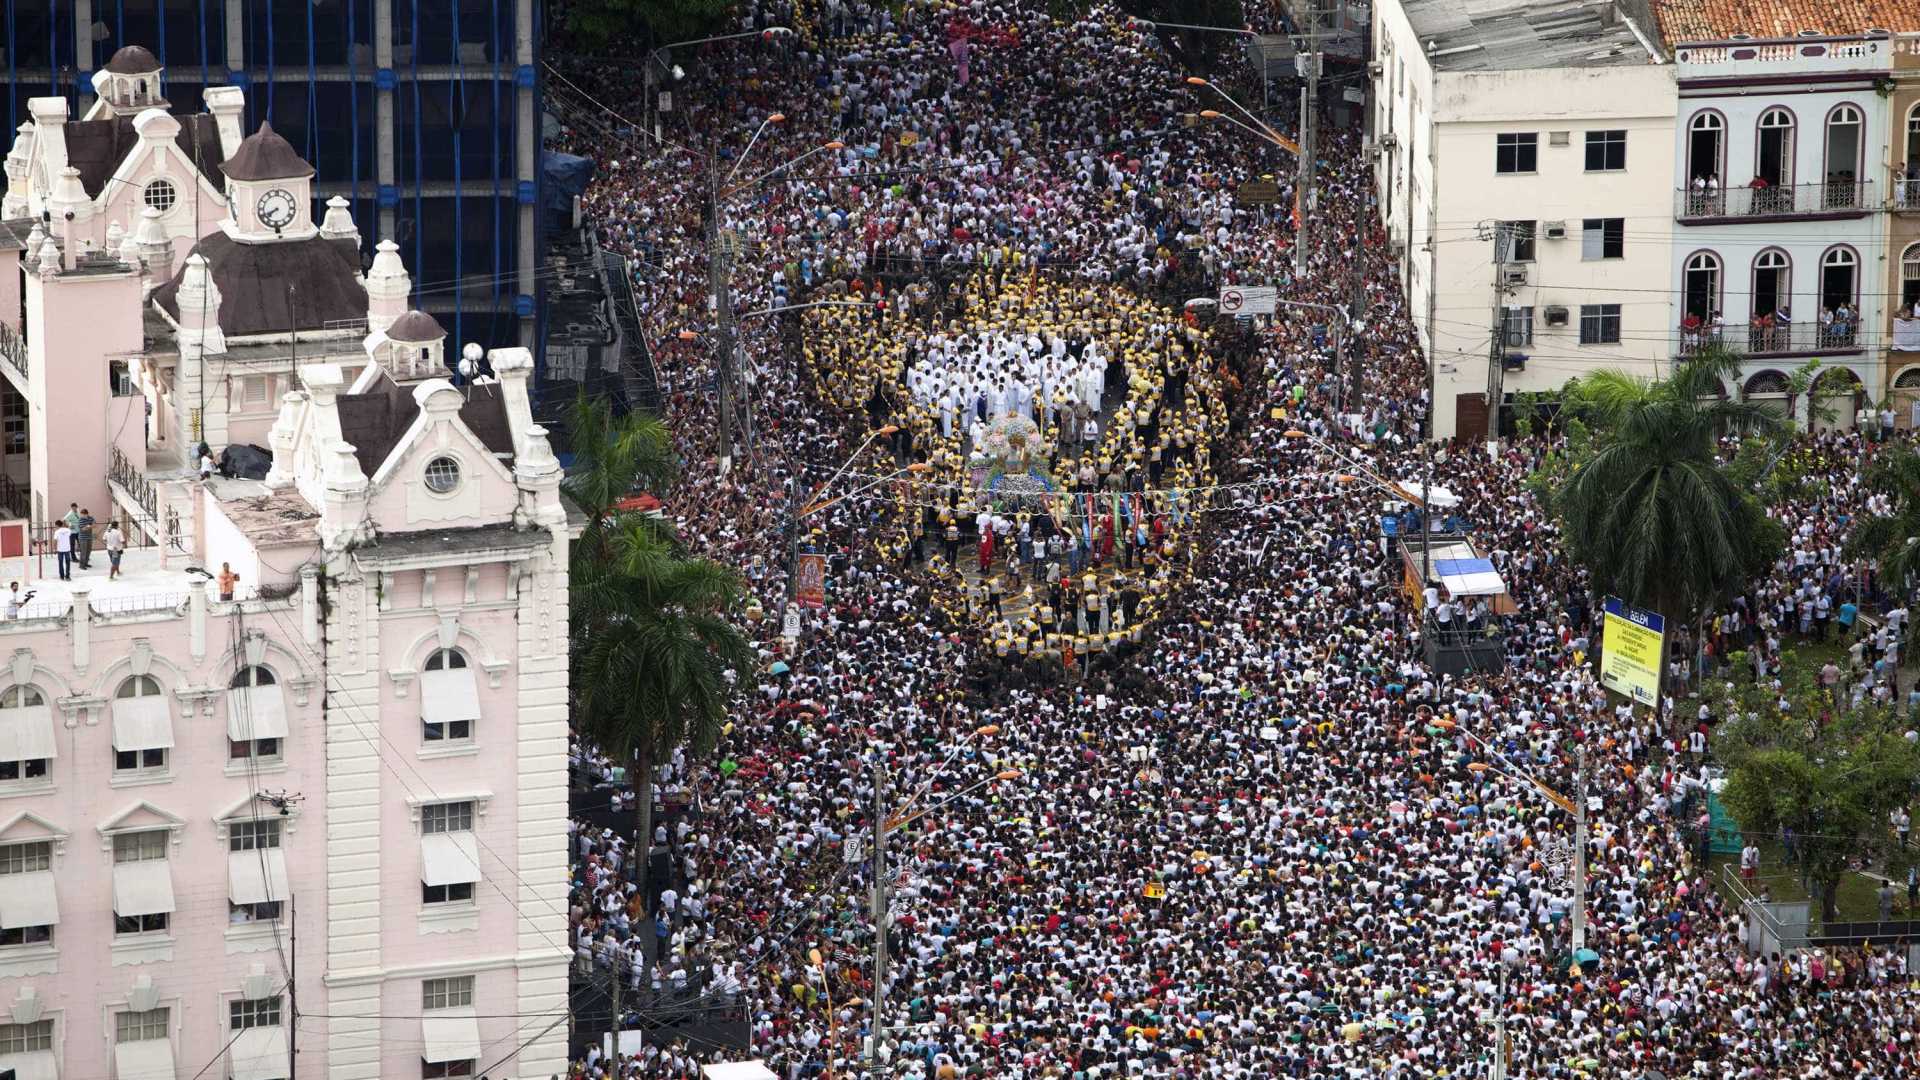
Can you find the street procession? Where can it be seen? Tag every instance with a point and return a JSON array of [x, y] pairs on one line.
[[1144, 668]]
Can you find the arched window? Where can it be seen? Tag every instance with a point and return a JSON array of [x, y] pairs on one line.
[[21, 697], [1703, 285], [445, 660], [1774, 147], [1770, 317], [1843, 157], [449, 699], [138, 686], [1906, 190], [252, 675], [1908, 379], [1910, 282], [142, 727], [1839, 282], [1767, 382], [256, 715], [1706, 140], [28, 729]]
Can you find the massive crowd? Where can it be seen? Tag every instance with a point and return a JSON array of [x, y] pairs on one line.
[[1248, 845]]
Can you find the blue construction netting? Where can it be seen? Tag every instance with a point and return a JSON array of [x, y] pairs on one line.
[[189, 37]]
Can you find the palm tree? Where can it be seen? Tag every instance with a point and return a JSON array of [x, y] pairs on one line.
[[659, 661], [1892, 540], [1652, 515], [655, 660], [612, 455]]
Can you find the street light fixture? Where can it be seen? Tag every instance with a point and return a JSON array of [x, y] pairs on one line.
[[1577, 806], [1152, 25], [826, 987], [776, 118], [885, 824]]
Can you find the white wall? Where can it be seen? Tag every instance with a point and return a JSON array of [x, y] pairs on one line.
[[1472, 109], [1403, 99], [1805, 242]]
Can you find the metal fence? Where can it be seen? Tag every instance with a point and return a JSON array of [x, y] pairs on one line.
[[1807, 337], [13, 350], [1775, 200]]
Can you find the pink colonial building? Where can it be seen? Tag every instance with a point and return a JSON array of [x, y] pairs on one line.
[[286, 796]]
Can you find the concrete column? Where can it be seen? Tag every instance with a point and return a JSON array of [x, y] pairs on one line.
[[310, 605], [351, 954], [81, 622], [197, 623], [526, 143], [236, 35], [83, 58], [540, 677], [384, 102]]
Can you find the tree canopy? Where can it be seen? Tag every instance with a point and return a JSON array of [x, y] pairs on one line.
[[1801, 759], [1652, 512]]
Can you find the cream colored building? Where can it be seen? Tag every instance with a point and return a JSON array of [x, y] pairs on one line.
[[1549, 125]]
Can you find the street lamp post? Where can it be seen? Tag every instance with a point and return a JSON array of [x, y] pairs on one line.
[[721, 245], [883, 825], [1345, 323], [654, 61], [1576, 806]]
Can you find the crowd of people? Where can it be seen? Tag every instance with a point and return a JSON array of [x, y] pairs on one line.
[[1248, 844]]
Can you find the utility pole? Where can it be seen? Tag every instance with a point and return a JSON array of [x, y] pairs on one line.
[[1497, 351], [619, 976], [720, 274], [1340, 400], [293, 979], [880, 917], [1580, 854], [1309, 122], [1499, 1071]]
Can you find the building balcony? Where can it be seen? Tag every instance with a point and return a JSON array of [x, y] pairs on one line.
[[1906, 335], [1906, 194], [1800, 339], [13, 354], [1812, 202]]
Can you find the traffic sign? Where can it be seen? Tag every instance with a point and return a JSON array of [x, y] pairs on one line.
[[1248, 299]]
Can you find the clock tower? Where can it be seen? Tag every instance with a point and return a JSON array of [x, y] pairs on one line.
[[269, 191]]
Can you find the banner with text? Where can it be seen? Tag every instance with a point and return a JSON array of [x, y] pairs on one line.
[[1630, 651]]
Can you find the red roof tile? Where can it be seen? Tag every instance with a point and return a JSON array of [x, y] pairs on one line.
[[1713, 20]]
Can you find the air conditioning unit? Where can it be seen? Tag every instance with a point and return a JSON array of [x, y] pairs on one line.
[[1554, 230], [1514, 276], [1375, 69], [1388, 141], [1396, 249], [1556, 315]]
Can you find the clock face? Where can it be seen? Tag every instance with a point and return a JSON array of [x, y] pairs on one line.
[[276, 208]]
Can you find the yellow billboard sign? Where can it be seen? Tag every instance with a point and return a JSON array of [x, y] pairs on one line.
[[1630, 651]]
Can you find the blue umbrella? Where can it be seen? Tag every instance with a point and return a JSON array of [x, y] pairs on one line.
[[780, 667]]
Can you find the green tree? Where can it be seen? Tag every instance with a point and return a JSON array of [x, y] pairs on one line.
[[1830, 773], [656, 657], [613, 456], [1651, 513], [598, 23], [1892, 540]]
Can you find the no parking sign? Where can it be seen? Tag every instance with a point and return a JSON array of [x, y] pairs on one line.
[[1248, 299]]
